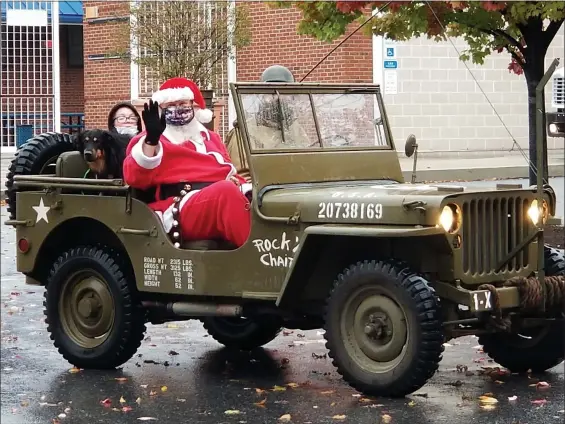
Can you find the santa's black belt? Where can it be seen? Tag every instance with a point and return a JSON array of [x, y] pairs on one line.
[[172, 190]]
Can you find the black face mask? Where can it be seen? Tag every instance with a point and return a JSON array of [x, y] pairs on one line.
[[178, 116]]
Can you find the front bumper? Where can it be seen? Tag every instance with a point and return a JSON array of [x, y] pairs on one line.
[[555, 124]]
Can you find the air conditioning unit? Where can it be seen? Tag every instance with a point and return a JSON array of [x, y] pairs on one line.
[[556, 118]]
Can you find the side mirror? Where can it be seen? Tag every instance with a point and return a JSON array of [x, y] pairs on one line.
[[410, 146]]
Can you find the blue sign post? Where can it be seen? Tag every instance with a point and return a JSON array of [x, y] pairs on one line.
[[390, 64]]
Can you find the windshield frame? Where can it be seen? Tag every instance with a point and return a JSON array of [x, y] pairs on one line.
[[239, 89]]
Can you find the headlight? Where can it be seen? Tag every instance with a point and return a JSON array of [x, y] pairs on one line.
[[450, 218], [534, 212], [552, 128]]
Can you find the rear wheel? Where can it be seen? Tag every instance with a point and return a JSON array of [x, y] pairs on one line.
[[243, 333], [383, 328], [537, 349], [38, 156], [93, 315]]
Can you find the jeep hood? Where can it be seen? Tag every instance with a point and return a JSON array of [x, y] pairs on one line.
[[374, 203]]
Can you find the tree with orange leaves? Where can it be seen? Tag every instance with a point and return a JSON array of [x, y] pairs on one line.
[[523, 29]]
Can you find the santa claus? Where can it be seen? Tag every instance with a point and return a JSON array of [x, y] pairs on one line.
[[199, 195]]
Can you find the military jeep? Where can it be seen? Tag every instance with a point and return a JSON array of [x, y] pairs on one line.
[[391, 270]]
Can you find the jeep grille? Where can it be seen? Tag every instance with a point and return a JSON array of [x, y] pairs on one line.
[[492, 228], [558, 98]]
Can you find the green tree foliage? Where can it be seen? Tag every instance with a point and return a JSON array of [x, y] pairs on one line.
[[523, 29]]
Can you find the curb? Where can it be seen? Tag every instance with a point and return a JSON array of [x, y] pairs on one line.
[[476, 174]]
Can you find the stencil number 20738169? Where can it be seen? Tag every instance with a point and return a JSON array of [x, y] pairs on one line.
[[348, 210]]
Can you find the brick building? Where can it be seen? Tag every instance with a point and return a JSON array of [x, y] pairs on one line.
[[429, 93]]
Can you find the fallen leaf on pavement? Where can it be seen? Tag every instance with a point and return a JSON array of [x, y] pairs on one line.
[[365, 400], [181, 400], [232, 412], [386, 418], [542, 385], [259, 391], [127, 408], [122, 400], [327, 392], [24, 403], [487, 400], [512, 398], [261, 403], [143, 386], [285, 418], [411, 403], [278, 389], [152, 393], [106, 403], [338, 417], [121, 379], [173, 353], [499, 382], [164, 388], [292, 385], [62, 416], [539, 402], [138, 400], [487, 407], [74, 370]]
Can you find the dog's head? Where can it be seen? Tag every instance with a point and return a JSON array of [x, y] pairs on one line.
[[93, 144]]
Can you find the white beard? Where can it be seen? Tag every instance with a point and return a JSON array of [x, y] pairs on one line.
[[181, 134]]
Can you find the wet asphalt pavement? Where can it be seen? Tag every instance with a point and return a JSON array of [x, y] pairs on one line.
[[180, 375]]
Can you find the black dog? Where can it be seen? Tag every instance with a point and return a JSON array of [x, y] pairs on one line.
[[104, 151]]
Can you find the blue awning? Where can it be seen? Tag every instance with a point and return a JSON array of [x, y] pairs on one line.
[[70, 12]]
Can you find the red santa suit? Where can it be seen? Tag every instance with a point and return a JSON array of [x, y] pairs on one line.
[[216, 208]]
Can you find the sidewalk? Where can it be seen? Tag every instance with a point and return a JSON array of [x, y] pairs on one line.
[[470, 166]]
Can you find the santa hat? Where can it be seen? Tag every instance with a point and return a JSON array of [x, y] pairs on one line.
[[179, 88]]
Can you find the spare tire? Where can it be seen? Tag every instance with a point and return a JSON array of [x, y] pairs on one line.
[[38, 156]]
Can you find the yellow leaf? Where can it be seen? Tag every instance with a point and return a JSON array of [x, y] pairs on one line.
[[364, 400], [487, 400], [411, 403], [386, 418], [74, 370], [261, 403], [332, 404], [164, 388], [232, 412], [487, 407], [279, 389], [285, 418], [122, 400], [338, 417], [292, 385]]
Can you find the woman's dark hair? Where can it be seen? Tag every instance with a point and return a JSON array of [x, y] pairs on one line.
[[117, 106]]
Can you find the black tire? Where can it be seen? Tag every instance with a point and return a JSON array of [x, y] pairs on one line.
[[127, 324], [32, 158], [243, 334], [539, 349], [409, 294]]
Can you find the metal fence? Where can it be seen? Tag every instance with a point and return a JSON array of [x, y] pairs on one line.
[[26, 70]]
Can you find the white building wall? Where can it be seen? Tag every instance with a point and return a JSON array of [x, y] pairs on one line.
[[439, 101]]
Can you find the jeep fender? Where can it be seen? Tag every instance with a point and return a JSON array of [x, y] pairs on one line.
[[293, 282]]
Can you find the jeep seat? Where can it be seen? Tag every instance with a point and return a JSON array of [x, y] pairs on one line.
[[71, 165]]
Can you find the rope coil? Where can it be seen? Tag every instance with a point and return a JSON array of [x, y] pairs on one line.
[[530, 290]]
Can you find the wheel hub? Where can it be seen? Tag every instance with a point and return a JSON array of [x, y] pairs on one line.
[[86, 308], [377, 328]]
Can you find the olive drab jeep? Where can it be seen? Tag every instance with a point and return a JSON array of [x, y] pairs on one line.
[[391, 270]]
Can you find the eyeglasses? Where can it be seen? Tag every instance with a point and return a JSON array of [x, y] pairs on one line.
[[123, 119]]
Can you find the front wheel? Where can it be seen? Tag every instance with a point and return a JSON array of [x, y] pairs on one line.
[[537, 349], [92, 312], [383, 328], [243, 333]]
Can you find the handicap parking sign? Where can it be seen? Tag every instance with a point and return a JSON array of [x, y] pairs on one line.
[[390, 52]]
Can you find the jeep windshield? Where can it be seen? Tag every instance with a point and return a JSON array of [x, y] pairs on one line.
[[313, 117]]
